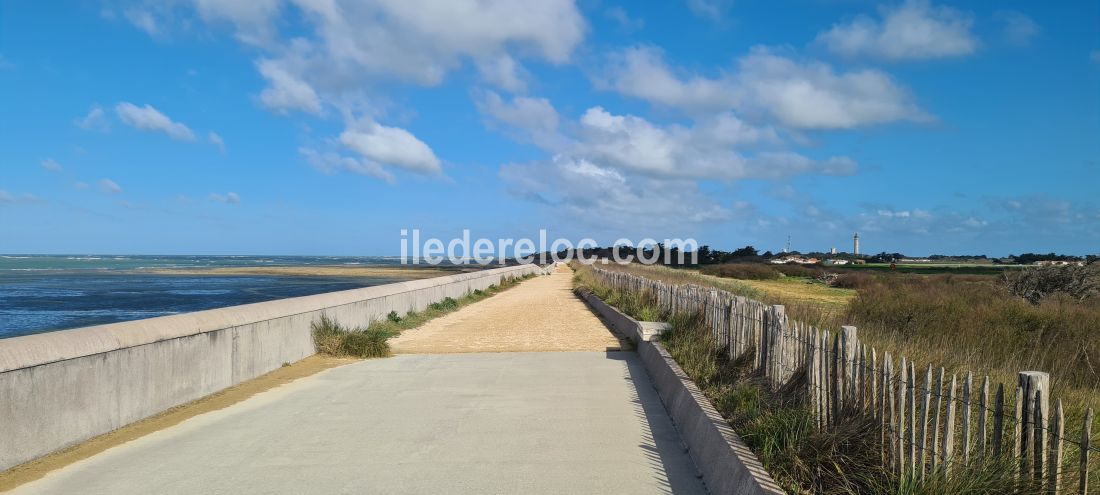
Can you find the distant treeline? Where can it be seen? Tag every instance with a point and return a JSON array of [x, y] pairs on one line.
[[705, 255]]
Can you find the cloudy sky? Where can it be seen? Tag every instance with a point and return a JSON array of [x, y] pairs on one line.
[[326, 126]]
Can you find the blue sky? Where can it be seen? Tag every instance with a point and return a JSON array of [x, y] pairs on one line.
[[326, 126]]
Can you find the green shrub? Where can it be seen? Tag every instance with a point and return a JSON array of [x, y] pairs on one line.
[[393, 317]]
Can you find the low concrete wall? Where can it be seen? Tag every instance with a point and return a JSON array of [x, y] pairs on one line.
[[60, 388], [727, 464]]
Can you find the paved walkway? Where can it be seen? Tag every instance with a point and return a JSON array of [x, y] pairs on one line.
[[501, 422], [542, 314]]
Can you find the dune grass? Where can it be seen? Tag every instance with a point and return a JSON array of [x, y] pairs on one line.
[[333, 339], [963, 322]]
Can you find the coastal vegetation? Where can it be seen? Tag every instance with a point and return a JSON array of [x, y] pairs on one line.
[[334, 339], [1041, 318]]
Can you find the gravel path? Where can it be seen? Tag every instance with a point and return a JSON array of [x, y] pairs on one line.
[[541, 314]]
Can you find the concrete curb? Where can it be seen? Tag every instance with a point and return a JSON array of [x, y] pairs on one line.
[[726, 463]]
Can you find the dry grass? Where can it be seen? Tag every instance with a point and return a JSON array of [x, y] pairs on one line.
[[742, 271], [961, 322]]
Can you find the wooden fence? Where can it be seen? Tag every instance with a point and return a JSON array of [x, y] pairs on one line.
[[926, 429]]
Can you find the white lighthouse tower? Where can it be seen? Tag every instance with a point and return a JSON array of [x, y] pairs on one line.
[[855, 244]]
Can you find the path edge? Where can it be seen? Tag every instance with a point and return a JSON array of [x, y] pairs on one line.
[[726, 463]]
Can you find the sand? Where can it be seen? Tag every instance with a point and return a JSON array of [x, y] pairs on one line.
[[540, 314]]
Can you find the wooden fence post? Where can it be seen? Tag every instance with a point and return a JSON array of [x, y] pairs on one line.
[[936, 451], [1086, 434], [966, 418], [1057, 431], [949, 428], [1034, 385], [983, 431], [1018, 449], [912, 454], [899, 432], [924, 421], [998, 420]]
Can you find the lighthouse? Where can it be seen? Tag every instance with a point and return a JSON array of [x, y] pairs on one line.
[[855, 244]]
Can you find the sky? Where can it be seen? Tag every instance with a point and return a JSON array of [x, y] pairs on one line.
[[322, 127]]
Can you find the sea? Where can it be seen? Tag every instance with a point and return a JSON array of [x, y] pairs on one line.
[[40, 293]]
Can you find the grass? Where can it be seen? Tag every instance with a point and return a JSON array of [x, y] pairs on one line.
[[333, 339], [964, 322]]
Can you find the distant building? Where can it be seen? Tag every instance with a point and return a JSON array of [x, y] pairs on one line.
[[832, 251], [1058, 263], [831, 262], [855, 244]]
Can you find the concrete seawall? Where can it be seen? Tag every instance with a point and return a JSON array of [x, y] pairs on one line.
[[60, 388]]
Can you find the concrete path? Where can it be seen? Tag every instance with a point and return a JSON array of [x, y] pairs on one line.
[[541, 314], [464, 421], [563, 422]]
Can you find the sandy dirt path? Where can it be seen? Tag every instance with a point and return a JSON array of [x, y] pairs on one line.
[[541, 314]]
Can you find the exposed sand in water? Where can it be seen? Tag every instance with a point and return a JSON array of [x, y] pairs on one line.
[[541, 314], [397, 272], [38, 468]]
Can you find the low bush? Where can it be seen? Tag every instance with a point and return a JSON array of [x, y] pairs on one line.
[[334, 339], [1035, 284], [852, 280], [800, 270], [743, 271]]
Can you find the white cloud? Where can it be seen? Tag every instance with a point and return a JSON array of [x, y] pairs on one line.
[[503, 72], [805, 95], [391, 146], [109, 186], [632, 144], [331, 163], [812, 96], [216, 140], [913, 30], [642, 73], [142, 19], [95, 119], [9, 198], [578, 187], [1017, 28], [536, 117], [231, 198], [51, 165], [710, 9], [147, 118], [286, 91], [339, 53]]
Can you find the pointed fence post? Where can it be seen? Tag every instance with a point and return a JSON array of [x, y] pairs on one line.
[[983, 406], [1086, 434], [1057, 431], [1035, 386], [923, 456], [966, 419], [949, 428]]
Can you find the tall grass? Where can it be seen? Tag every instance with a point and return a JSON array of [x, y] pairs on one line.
[[334, 339], [964, 322]]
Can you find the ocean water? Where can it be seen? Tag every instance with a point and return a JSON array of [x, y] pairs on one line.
[[45, 293]]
